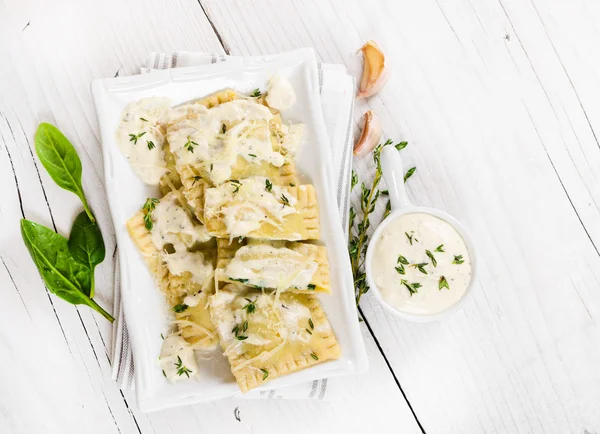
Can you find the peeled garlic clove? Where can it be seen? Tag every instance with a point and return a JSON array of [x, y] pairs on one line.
[[375, 73], [370, 136]]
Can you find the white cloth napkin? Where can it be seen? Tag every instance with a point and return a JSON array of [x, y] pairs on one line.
[[337, 90]]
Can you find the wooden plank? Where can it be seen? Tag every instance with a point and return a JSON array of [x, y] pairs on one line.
[[498, 101], [56, 356]]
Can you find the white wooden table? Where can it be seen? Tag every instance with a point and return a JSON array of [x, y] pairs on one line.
[[500, 100]]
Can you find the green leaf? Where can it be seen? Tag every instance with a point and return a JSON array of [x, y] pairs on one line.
[[443, 283], [63, 276], [430, 255], [86, 245], [402, 260], [409, 173], [61, 161]]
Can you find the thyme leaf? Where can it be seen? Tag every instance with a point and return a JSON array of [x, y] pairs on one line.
[[433, 260]]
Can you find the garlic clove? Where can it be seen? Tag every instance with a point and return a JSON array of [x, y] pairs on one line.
[[375, 73], [370, 136]]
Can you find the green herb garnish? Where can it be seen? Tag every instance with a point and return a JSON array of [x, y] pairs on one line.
[[241, 338], [134, 137], [358, 234], [150, 144], [224, 129], [250, 307], [402, 260], [256, 94], [410, 237], [144, 120], [236, 185], [268, 185], [311, 324], [148, 207], [409, 173], [440, 248], [314, 356], [433, 260], [412, 287], [238, 280], [420, 267], [189, 145], [181, 369], [443, 283], [252, 155], [180, 307], [285, 200], [311, 286], [400, 269], [265, 373], [458, 259], [196, 178], [292, 184]]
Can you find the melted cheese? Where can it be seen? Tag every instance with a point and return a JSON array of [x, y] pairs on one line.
[[291, 137], [272, 267], [197, 137], [247, 204], [140, 137], [175, 354], [173, 225], [280, 94], [192, 262]]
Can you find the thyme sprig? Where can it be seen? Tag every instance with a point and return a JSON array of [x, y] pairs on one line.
[[148, 207], [189, 145], [135, 137], [359, 238], [181, 368]]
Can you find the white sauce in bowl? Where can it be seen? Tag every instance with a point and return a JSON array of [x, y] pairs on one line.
[[408, 277]]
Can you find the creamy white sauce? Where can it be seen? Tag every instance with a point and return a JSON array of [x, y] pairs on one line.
[[197, 137], [192, 262], [173, 226], [280, 93], [247, 204], [272, 267], [175, 355], [427, 233], [194, 300], [290, 137], [140, 137], [289, 323]]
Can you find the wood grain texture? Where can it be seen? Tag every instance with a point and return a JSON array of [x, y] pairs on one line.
[[499, 101], [55, 357]]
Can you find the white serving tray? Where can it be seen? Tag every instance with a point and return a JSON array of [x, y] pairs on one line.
[[144, 306]]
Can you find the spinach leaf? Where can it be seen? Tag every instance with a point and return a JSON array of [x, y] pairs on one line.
[[86, 245], [61, 161], [62, 275]]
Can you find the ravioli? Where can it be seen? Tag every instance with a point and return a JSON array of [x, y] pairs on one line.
[[256, 208], [264, 338], [183, 265], [228, 137], [280, 265]]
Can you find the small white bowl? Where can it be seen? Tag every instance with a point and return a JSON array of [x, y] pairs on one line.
[[391, 164]]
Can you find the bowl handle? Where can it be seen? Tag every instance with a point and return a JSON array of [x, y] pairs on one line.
[[391, 164]]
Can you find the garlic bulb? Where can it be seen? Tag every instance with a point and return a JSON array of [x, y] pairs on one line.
[[375, 74], [370, 136]]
